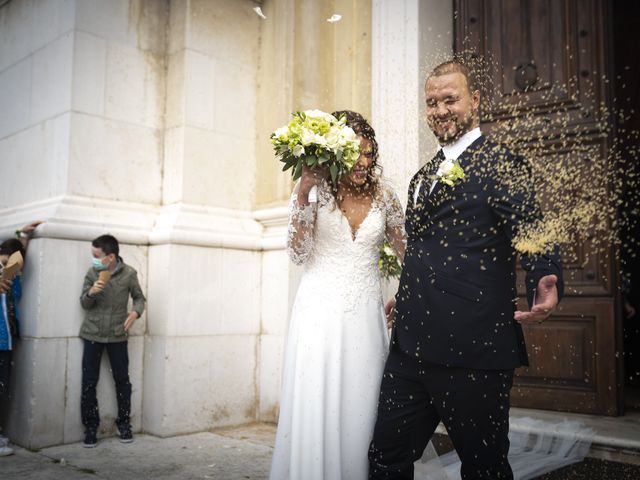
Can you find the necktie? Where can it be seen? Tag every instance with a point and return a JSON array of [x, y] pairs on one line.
[[429, 171]]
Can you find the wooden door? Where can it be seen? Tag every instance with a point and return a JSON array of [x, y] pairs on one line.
[[546, 57]]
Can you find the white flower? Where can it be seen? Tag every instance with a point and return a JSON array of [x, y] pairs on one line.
[[320, 140], [349, 134], [320, 115], [298, 150], [282, 133], [307, 137], [449, 172], [445, 168], [333, 139], [346, 135]]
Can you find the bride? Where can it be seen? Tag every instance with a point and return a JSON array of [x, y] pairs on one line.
[[338, 338]]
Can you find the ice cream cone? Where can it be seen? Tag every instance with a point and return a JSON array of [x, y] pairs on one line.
[[14, 265]]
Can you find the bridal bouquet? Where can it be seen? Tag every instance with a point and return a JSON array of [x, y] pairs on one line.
[[316, 139], [388, 263]]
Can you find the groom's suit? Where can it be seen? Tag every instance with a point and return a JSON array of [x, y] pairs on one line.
[[455, 342], [456, 298]]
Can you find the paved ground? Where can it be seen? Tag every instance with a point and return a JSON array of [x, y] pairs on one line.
[[198, 456], [230, 454], [594, 469]]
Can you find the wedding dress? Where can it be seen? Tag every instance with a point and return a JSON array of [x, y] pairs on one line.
[[337, 341]]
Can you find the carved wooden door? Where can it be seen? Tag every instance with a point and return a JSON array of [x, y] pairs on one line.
[[546, 57]]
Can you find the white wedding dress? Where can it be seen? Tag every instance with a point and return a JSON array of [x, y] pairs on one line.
[[337, 342]]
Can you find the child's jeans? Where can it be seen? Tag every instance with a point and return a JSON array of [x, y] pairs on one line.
[[119, 359]]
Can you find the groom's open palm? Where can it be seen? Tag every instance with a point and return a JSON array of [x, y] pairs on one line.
[[545, 301]]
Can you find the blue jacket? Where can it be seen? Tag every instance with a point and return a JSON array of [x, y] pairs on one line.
[[9, 312]]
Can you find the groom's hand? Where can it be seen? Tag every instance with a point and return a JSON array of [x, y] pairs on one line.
[[545, 301], [390, 312]]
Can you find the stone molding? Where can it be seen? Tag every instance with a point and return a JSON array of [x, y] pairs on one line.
[[79, 218]]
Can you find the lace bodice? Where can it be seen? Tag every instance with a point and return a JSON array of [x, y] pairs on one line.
[[320, 238]]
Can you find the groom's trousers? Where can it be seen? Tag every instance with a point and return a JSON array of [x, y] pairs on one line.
[[415, 396]]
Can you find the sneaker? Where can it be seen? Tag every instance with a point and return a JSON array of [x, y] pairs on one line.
[[125, 435], [6, 451], [90, 439]]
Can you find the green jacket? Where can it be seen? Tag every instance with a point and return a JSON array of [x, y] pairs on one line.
[[107, 311]]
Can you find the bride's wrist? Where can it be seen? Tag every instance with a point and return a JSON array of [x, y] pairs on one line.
[[303, 199]]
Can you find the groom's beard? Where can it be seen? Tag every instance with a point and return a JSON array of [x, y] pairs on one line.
[[454, 130]]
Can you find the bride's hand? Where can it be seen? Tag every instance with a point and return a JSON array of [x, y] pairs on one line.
[[310, 178], [390, 312]]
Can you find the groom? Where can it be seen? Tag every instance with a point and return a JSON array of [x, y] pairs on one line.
[[457, 336]]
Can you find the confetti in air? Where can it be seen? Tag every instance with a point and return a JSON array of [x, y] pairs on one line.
[[258, 11], [334, 18], [589, 194]]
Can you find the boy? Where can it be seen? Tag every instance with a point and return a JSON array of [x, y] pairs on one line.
[[105, 296], [10, 294]]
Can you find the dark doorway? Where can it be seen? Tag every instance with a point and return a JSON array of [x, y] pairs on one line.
[[626, 67]]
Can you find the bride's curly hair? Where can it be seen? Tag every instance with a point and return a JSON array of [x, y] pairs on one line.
[[362, 128]]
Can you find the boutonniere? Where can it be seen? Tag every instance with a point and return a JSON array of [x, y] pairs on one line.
[[449, 172]]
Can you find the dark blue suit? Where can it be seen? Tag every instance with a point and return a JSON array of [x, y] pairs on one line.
[[455, 342]]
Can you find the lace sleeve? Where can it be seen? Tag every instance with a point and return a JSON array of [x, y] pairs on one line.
[[394, 229], [302, 220]]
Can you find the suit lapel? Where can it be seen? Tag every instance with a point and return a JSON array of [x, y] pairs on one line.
[[416, 208], [465, 158], [426, 201], [428, 172]]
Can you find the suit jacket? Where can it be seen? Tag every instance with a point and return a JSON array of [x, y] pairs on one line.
[[457, 292]]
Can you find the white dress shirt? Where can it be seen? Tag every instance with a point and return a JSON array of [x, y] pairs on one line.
[[452, 152]]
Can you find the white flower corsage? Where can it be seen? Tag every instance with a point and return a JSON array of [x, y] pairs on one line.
[[449, 172]]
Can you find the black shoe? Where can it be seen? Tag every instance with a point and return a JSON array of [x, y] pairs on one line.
[[90, 439], [125, 435]]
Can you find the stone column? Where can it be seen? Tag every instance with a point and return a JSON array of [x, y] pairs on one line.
[[202, 343], [409, 38]]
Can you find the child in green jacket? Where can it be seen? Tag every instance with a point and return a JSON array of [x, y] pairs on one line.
[[105, 297]]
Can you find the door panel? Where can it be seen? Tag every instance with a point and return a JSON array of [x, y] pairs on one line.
[[546, 55], [566, 372], [546, 60]]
